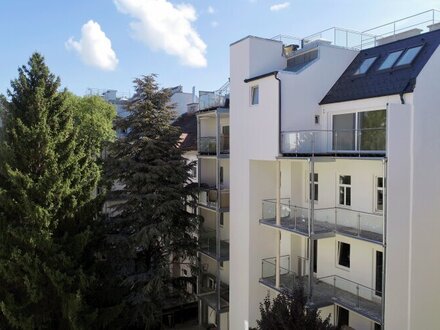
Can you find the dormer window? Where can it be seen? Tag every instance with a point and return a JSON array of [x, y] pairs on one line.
[[409, 56], [390, 60], [365, 65], [255, 97]]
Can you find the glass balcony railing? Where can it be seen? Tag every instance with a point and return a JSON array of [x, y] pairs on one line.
[[325, 290], [209, 197], [208, 245], [208, 145], [364, 225], [354, 296], [212, 100], [322, 142]]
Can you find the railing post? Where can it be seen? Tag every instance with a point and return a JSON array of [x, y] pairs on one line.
[[357, 294], [336, 219], [334, 286], [359, 225], [294, 215], [278, 222]]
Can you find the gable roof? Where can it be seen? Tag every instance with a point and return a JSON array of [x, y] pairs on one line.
[[188, 124], [374, 83]]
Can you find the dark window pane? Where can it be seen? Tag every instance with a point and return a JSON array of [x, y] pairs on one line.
[[345, 179], [380, 182], [372, 130], [380, 200], [344, 131], [341, 196], [344, 254], [316, 192], [348, 196], [342, 316], [378, 284], [315, 255], [377, 326], [255, 96]]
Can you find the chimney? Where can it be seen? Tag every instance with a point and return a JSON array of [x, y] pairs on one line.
[[434, 27], [193, 94]]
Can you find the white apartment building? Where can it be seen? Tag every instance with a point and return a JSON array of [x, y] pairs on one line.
[[213, 206], [333, 148]]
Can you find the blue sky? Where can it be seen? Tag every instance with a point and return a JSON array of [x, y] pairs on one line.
[[107, 43]]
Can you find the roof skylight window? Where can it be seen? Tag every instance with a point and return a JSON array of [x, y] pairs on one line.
[[365, 65], [409, 56], [390, 60]]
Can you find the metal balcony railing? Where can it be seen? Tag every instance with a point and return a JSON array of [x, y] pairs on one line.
[[208, 145], [334, 142], [208, 244], [326, 290], [357, 297], [358, 224], [209, 197]]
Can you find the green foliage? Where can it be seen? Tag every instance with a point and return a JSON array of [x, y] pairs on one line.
[[288, 311], [149, 227], [48, 173]]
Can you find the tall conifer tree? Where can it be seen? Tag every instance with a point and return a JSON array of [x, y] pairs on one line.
[[47, 177], [151, 227]]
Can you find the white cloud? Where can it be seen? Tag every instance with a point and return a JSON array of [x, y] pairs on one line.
[[211, 10], [94, 48], [214, 24], [167, 27], [279, 6]]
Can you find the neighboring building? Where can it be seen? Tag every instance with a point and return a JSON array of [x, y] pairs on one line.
[[213, 178], [181, 99], [332, 179]]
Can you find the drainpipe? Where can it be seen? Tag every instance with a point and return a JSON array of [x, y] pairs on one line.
[[278, 222], [311, 162], [384, 243], [217, 217], [279, 113]]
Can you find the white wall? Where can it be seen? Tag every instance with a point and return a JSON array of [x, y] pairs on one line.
[[425, 223], [249, 57], [303, 91], [181, 100]]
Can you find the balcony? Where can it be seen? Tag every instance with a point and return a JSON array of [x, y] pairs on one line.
[[208, 293], [208, 145], [327, 221], [367, 142], [213, 100], [208, 245], [208, 197], [325, 290]]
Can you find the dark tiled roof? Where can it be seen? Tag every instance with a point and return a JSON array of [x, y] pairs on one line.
[[386, 82], [188, 124]]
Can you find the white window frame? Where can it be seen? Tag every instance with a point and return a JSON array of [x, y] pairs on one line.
[[308, 186], [251, 95], [376, 193], [338, 251], [345, 186]]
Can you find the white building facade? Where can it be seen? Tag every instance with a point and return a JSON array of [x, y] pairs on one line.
[[331, 151]]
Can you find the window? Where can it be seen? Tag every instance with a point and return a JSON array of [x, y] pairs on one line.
[[222, 221], [315, 256], [315, 184], [365, 65], [254, 95], [371, 130], [344, 254], [379, 194], [221, 174], [211, 283], [379, 273], [193, 172], [409, 55], [184, 272], [221, 264], [377, 326], [390, 60], [345, 190], [317, 119], [342, 316], [344, 127]]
